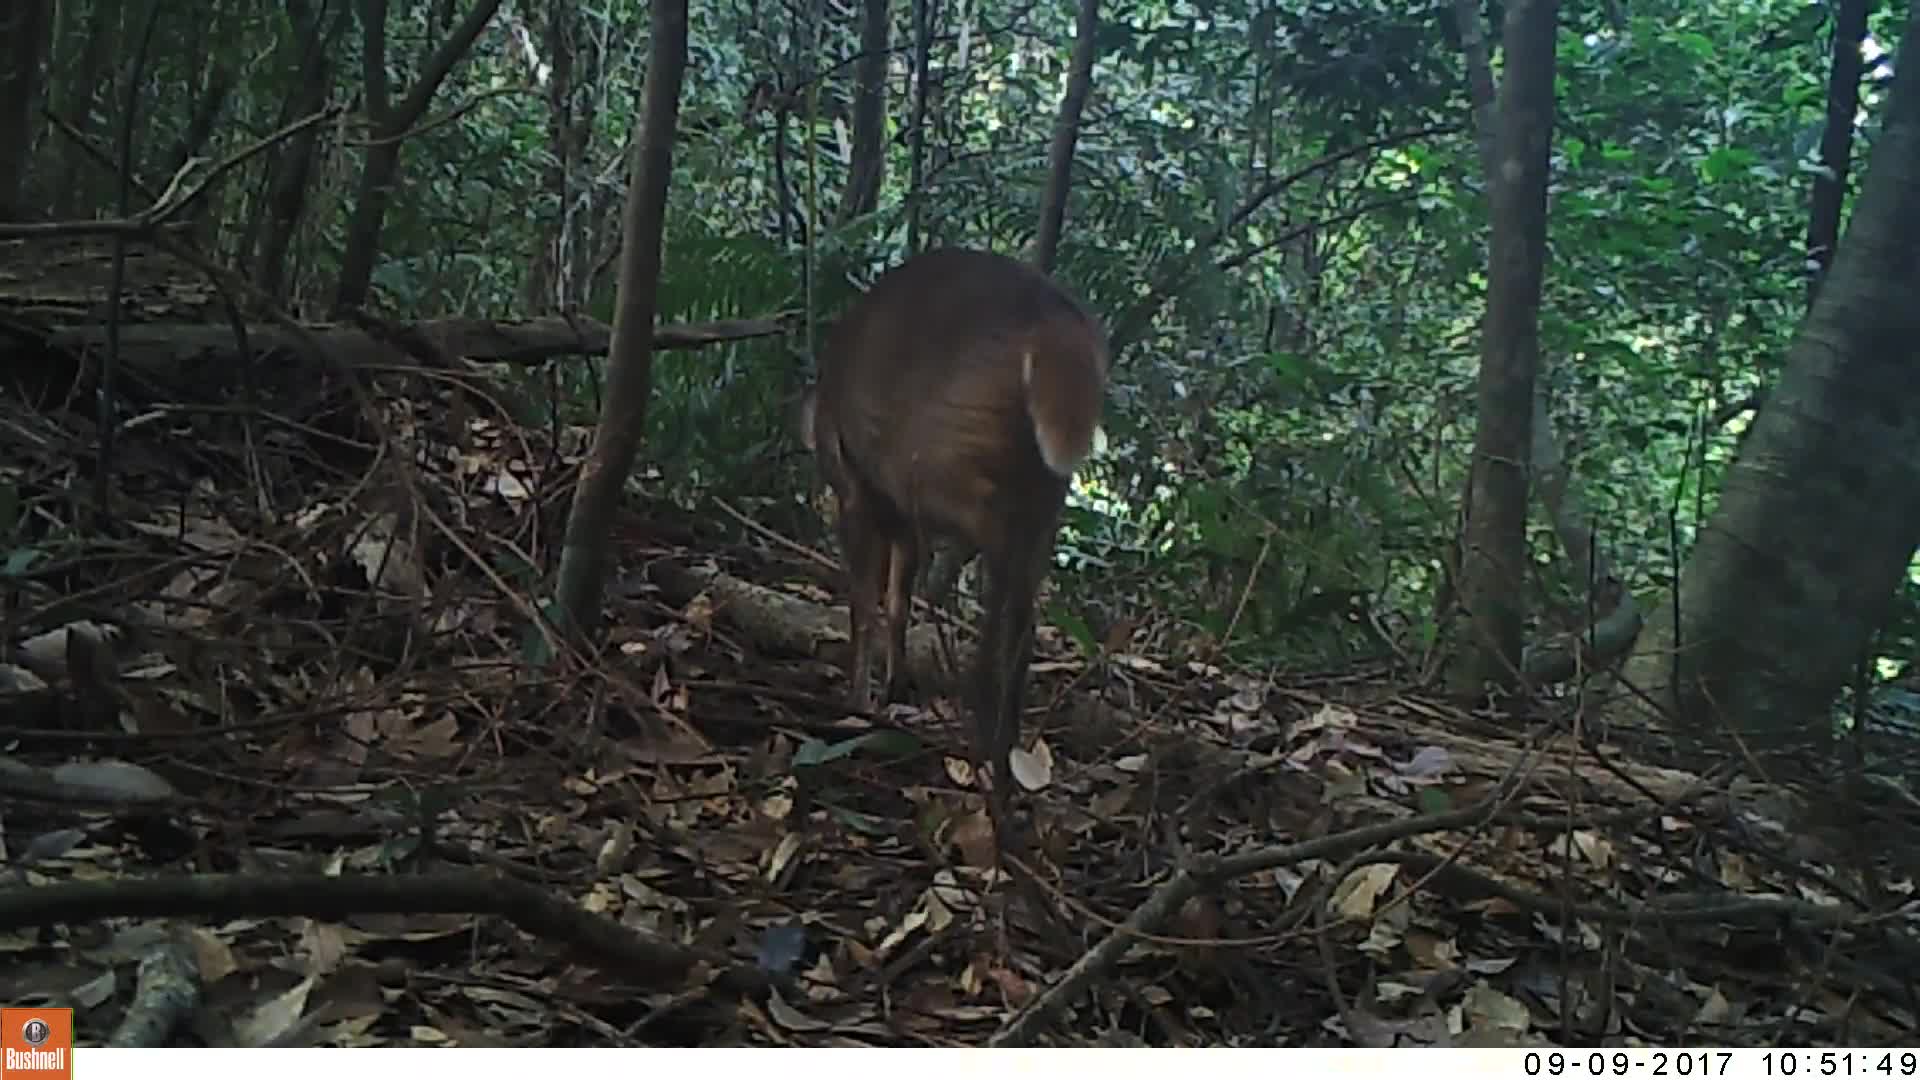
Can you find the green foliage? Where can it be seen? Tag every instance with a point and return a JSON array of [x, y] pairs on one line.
[[694, 433], [1292, 409]]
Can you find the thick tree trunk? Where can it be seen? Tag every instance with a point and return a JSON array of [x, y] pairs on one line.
[[616, 440], [1493, 559], [1820, 514]]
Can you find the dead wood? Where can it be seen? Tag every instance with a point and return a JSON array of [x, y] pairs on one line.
[[1207, 873], [646, 958], [168, 990], [483, 340], [782, 623]]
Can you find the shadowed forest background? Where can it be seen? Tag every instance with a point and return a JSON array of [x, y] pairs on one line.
[[1488, 616]]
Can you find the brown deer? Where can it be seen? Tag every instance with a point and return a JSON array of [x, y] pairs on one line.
[[955, 399]]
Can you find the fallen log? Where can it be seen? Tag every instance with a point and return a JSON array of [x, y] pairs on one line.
[[788, 625], [479, 340]]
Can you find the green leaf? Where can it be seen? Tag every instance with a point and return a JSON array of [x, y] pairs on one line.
[[889, 743], [1075, 626], [534, 647], [1728, 161], [18, 560], [864, 823], [1698, 45]]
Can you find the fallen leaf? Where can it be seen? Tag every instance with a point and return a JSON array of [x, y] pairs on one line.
[[789, 1017], [1356, 894], [275, 1018], [324, 945], [1032, 769], [114, 779], [1487, 1007]]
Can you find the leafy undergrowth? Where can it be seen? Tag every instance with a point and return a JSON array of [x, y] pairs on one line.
[[306, 638]]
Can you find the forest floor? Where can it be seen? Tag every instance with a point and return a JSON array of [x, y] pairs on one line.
[[300, 648]]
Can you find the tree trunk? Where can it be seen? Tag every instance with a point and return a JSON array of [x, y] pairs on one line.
[[1820, 513], [783, 206], [868, 164], [1493, 556], [371, 198], [943, 570], [552, 280], [1066, 132], [27, 32], [389, 122], [71, 190], [206, 112], [1601, 588], [287, 177], [1836, 141], [917, 126], [616, 440], [543, 269], [1553, 481]]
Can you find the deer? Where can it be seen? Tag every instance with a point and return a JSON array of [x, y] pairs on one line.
[[955, 399]]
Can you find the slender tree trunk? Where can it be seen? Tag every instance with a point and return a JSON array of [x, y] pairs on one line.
[[868, 165], [26, 33], [782, 188], [206, 113], [943, 570], [1553, 482], [584, 216], [389, 123], [917, 125], [1494, 555], [288, 176], [616, 441], [1836, 141], [372, 195], [1066, 132], [540, 289], [71, 192], [1820, 514]]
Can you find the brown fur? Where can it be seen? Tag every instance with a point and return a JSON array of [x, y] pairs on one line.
[[955, 398]]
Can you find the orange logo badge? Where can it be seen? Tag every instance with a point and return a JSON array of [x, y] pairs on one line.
[[36, 1044]]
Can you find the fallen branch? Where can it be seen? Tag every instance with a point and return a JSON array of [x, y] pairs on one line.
[[783, 623], [166, 992], [482, 340], [1208, 873], [1202, 875], [650, 960]]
